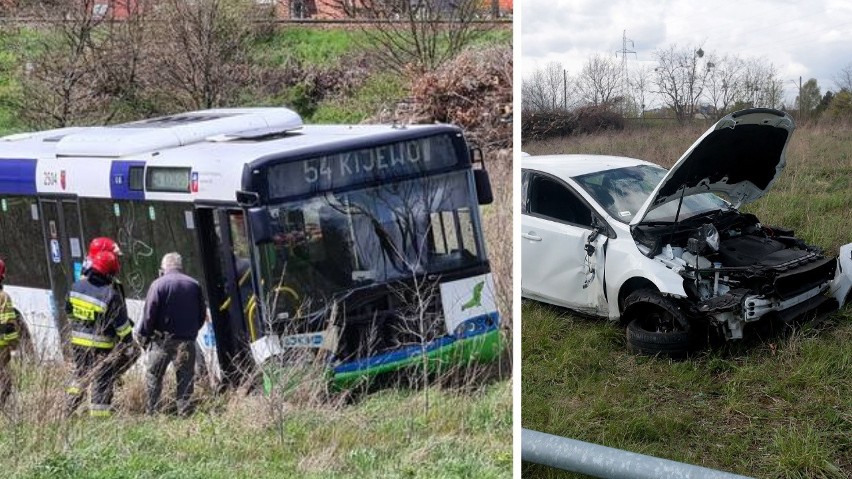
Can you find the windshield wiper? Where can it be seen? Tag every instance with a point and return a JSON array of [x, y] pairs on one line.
[[689, 219]]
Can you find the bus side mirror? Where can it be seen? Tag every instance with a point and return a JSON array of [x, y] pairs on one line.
[[483, 187], [260, 224], [247, 199]]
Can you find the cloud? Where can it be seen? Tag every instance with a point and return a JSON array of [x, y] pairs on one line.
[[808, 38]]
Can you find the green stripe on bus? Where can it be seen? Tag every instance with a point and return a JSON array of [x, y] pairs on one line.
[[483, 349]]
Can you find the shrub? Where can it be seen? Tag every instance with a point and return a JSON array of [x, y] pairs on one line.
[[585, 119], [474, 91]]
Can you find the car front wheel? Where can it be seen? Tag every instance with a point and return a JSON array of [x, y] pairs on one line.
[[657, 326]]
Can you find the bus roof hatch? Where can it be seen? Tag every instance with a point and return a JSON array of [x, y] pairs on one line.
[[172, 131]]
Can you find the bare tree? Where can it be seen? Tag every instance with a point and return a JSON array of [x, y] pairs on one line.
[[759, 84], [639, 83], [420, 35], [723, 84], [843, 79], [199, 51], [548, 89], [680, 78], [121, 62], [599, 81], [58, 81]]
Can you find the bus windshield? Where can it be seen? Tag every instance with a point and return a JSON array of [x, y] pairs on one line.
[[338, 241]]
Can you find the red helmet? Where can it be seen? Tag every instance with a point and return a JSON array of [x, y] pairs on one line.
[[106, 263], [2, 270], [103, 244]]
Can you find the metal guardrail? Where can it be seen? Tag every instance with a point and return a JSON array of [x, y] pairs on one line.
[[607, 462]]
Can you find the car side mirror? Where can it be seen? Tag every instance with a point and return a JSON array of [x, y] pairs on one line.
[[601, 227], [260, 225], [483, 187]]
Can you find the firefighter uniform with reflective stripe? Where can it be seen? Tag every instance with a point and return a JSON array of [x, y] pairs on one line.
[[8, 341], [100, 332]]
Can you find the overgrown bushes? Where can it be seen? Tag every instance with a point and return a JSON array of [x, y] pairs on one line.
[[474, 91], [585, 119]]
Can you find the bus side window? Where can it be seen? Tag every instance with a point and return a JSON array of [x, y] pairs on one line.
[[172, 231], [128, 223], [22, 244]]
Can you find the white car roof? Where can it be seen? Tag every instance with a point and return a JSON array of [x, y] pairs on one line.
[[567, 166]]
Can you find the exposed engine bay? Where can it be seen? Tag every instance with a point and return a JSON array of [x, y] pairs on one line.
[[736, 270]]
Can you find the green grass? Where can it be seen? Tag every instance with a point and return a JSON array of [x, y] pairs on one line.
[[433, 432], [764, 409], [498, 35], [379, 94], [779, 407], [313, 46]]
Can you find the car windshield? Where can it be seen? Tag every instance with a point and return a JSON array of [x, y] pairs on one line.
[[338, 241], [622, 191]]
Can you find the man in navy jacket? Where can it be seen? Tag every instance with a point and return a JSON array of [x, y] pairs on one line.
[[174, 312]]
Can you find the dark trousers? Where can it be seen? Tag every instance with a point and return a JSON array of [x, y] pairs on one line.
[[5, 375], [124, 361], [182, 354], [96, 368]]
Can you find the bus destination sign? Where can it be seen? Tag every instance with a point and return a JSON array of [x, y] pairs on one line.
[[362, 165]]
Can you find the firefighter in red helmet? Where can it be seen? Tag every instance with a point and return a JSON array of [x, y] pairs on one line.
[[131, 351], [102, 243], [100, 333], [8, 336]]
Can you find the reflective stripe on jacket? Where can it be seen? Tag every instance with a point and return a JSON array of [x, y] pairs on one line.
[[97, 314], [8, 321]]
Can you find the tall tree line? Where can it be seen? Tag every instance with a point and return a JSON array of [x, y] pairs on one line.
[[686, 81]]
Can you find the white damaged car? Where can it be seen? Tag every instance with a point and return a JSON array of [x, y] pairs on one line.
[[667, 252]]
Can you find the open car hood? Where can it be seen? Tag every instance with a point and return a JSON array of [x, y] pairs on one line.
[[740, 157]]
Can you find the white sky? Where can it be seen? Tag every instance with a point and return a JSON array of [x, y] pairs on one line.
[[808, 38]]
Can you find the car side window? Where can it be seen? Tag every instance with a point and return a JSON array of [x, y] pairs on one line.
[[525, 182], [552, 200]]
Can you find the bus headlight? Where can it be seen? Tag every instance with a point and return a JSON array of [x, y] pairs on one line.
[[473, 327]]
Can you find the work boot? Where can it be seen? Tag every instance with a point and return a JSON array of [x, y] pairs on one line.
[[184, 408]]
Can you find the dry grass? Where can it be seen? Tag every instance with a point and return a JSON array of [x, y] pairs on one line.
[[296, 430], [497, 222]]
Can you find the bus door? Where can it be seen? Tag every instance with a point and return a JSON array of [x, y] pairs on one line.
[[227, 271], [66, 249]]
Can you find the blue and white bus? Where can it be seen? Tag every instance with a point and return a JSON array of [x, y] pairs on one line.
[[360, 244]]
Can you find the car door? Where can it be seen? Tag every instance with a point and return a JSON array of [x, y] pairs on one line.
[[555, 228]]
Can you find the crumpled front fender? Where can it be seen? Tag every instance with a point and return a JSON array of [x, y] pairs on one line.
[[624, 262]]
